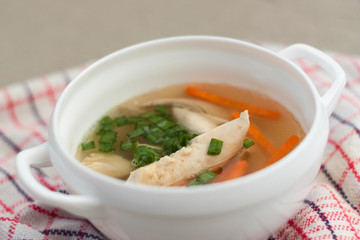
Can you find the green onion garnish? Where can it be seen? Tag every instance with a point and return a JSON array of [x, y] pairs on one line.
[[184, 139], [215, 147], [134, 119], [155, 119], [156, 127], [87, 145], [108, 137], [174, 130], [142, 124], [248, 143], [121, 121], [106, 146], [136, 133], [203, 178], [170, 145], [128, 145], [154, 134], [106, 120], [161, 109], [147, 115], [144, 155], [165, 124], [106, 124]]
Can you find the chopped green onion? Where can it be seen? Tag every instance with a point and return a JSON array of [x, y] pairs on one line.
[[128, 145], [106, 120], [144, 155], [194, 135], [203, 178], [154, 134], [147, 115], [156, 127], [215, 147], [142, 124], [87, 145], [106, 146], [108, 137], [161, 109], [170, 145], [155, 119], [106, 124], [248, 143], [165, 124], [184, 139], [174, 130], [121, 121], [136, 133], [134, 119]]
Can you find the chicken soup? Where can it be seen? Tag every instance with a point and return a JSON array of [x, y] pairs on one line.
[[186, 135]]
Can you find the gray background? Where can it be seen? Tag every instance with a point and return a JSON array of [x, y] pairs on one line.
[[42, 36]]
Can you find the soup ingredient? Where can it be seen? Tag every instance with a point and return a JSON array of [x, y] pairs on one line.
[[128, 145], [231, 103], [107, 134], [203, 178], [215, 146], [109, 164], [194, 115], [283, 150], [247, 143], [261, 139], [189, 161], [232, 170], [258, 136], [195, 123], [155, 127], [144, 155], [87, 145]]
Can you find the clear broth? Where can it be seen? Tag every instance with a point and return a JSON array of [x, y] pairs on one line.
[[276, 131]]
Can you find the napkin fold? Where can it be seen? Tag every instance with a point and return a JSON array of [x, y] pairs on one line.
[[330, 211]]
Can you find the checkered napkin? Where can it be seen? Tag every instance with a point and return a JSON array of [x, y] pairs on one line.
[[330, 211]]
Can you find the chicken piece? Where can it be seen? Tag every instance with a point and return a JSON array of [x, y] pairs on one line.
[[109, 164], [195, 122], [190, 161]]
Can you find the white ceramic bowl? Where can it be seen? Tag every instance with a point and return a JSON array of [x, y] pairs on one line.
[[251, 207]]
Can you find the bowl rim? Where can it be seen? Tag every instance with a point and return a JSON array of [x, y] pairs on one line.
[[56, 146]]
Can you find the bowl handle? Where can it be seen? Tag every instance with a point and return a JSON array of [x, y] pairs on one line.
[[84, 206], [331, 97]]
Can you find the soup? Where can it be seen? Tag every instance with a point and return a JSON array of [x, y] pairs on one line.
[[190, 134]]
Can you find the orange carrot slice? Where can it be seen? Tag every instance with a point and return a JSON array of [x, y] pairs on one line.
[[258, 136], [283, 150], [261, 139], [235, 115], [232, 170], [231, 103]]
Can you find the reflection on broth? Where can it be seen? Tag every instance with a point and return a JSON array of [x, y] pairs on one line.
[[189, 135]]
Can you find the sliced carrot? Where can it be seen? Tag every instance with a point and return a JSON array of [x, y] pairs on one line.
[[261, 139], [283, 150], [235, 115], [258, 136], [232, 170], [231, 103]]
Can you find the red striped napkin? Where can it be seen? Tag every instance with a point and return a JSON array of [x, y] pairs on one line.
[[330, 211]]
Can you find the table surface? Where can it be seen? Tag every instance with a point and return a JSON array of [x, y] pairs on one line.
[[39, 36]]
